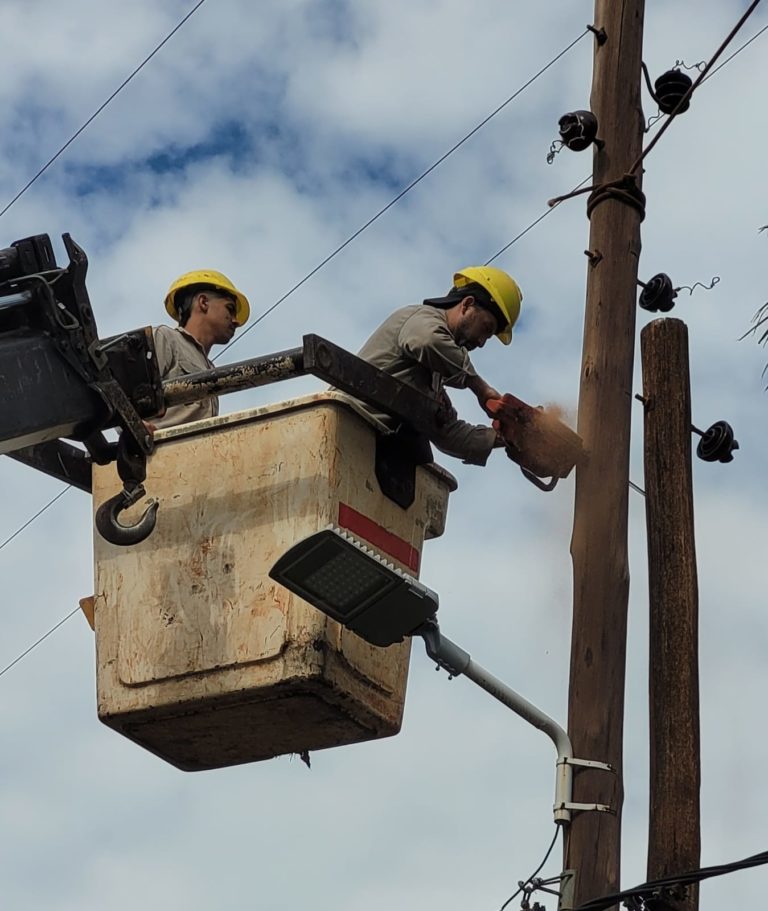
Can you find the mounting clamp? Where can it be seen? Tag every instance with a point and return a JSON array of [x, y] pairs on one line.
[[564, 807]]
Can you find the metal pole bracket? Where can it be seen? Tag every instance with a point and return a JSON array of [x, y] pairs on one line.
[[564, 807], [586, 808], [587, 764]]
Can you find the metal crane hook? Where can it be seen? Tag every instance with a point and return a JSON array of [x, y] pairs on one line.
[[124, 535]]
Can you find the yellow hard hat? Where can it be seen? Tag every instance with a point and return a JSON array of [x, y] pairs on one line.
[[216, 280], [504, 291]]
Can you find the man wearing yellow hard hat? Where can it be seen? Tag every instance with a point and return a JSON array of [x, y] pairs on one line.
[[427, 345], [208, 309]]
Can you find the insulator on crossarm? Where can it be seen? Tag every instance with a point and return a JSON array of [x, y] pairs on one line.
[[658, 294], [669, 89], [578, 130], [717, 443]]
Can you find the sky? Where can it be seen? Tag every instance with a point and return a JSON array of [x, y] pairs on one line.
[[255, 142]]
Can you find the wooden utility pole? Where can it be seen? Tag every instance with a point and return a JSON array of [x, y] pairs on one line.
[[599, 543], [674, 837]]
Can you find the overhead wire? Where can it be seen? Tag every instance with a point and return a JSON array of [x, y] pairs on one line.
[[29, 521], [533, 224], [403, 192], [101, 107], [522, 884], [736, 53], [41, 639], [654, 889]]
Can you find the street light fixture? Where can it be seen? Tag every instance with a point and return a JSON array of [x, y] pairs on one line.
[[351, 584]]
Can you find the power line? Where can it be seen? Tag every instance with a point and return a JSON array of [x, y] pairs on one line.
[[533, 224], [41, 639], [8, 540], [657, 888], [403, 192], [536, 872], [734, 54], [38, 513], [96, 113]]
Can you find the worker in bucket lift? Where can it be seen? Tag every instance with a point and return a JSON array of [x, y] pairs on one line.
[[427, 346], [208, 309]]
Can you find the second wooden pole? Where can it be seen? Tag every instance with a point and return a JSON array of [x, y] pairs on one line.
[[674, 839]]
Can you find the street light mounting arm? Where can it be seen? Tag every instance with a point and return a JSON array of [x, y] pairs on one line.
[[458, 662]]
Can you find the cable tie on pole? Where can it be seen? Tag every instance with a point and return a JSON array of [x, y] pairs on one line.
[[620, 183], [624, 190]]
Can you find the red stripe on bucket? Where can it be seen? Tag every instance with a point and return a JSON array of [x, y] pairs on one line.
[[381, 539]]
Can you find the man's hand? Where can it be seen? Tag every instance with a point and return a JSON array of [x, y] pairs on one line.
[[509, 418]]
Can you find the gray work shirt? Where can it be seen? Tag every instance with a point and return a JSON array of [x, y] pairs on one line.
[[179, 354], [415, 345]]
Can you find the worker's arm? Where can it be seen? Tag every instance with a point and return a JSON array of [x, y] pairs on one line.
[[472, 443], [482, 390]]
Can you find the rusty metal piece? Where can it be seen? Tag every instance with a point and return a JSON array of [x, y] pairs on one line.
[[258, 371], [594, 257], [328, 362], [600, 34]]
